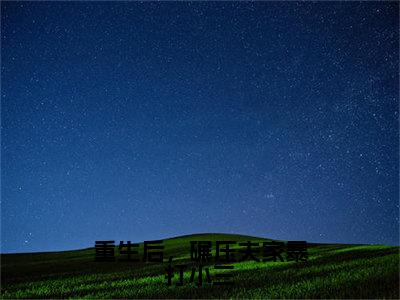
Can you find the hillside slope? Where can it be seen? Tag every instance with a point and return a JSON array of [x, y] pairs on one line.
[[332, 271]]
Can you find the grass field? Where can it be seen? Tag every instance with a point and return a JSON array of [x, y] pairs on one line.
[[332, 271]]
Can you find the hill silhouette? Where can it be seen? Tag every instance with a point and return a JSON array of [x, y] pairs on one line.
[[332, 271]]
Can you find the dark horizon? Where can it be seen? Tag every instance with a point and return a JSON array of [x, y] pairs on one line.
[[194, 234]]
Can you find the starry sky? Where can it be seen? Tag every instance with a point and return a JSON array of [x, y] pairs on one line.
[[139, 121]]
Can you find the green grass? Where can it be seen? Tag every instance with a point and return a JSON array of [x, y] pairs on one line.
[[332, 271]]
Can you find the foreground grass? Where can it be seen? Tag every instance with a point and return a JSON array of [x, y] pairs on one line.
[[332, 271]]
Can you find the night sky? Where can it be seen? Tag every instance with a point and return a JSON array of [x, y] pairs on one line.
[[140, 121]]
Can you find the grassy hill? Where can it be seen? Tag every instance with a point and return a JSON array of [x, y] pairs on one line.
[[332, 271]]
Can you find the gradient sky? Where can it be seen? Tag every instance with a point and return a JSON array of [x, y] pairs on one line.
[[139, 121]]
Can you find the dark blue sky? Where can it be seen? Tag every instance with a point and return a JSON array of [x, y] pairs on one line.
[[137, 121]]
